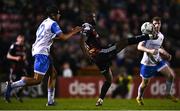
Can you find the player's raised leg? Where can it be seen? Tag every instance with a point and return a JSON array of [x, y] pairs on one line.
[[107, 83], [148, 31], [170, 75], [25, 81], [124, 42], [41, 66], [141, 89]]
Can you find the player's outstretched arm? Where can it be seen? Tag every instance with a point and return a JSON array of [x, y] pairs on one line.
[[141, 47], [63, 36], [83, 48]]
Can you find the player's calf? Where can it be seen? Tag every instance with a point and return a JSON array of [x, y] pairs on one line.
[[7, 93]]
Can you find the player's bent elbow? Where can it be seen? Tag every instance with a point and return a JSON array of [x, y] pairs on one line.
[[139, 47], [63, 36], [8, 56]]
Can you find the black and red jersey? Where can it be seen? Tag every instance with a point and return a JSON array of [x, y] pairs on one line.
[[92, 39], [17, 50], [101, 56]]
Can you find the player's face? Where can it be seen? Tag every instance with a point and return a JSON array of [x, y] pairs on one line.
[[157, 25], [20, 39]]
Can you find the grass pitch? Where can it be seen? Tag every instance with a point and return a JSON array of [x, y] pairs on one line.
[[89, 104]]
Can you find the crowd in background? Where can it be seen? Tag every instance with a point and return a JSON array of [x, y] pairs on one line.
[[115, 19]]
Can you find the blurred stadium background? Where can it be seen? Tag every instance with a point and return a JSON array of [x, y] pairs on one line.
[[115, 19]]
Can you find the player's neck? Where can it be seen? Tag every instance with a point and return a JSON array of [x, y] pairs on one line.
[[18, 43]]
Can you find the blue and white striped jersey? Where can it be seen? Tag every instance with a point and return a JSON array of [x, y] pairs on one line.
[[47, 30], [149, 59]]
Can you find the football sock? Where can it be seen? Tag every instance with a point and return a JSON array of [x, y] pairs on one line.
[[137, 39], [140, 91], [168, 86], [19, 83], [51, 93], [104, 89]]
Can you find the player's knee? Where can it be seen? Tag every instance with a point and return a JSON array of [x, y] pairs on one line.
[[109, 81], [171, 76], [37, 80], [109, 78], [23, 78], [54, 75], [144, 84]]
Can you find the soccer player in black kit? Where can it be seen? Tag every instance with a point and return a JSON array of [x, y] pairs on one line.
[[17, 57], [102, 56]]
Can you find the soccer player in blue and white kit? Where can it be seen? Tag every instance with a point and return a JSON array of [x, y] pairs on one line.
[[152, 62], [46, 33]]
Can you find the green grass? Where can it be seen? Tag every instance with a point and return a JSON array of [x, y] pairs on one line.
[[89, 104]]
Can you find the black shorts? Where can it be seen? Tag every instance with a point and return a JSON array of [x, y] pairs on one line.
[[105, 56]]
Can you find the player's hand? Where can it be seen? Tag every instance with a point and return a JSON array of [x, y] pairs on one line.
[[154, 51], [93, 51], [18, 58], [76, 29]]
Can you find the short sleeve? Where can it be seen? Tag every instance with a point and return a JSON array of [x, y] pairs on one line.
[[11, 49], [55, 28]]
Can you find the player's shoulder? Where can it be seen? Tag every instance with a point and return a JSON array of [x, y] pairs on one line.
[[49, 21], [13, 45], [161, 34]]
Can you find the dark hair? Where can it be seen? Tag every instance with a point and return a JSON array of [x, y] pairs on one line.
[[88, 17], [52, 10], [157, 18], [20, 33]]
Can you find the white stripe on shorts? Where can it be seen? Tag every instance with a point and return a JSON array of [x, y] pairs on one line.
[[42, 73], [162, 67]]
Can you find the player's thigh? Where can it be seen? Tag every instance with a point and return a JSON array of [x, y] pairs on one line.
[[53, 72], [145, 81], [167, 71], [38, 76], [41, 64], [108, 75]]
